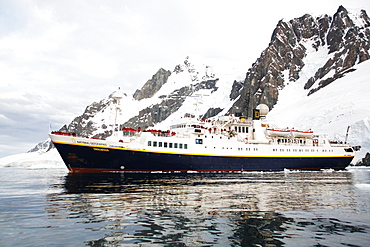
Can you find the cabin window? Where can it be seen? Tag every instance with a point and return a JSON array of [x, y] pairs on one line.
[[175, 145], [160, 144], [180, 145], [149, 143], [154, 144], [165, 144], [185, 146], [170, 144]]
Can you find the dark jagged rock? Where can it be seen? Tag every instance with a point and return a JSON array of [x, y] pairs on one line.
[[212, 112], [170, 104], [83, 126], [153, 85], [41, 146], [235, 90], [364, 161], [347, 43]]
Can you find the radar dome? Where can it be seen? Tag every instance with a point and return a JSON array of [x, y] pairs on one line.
[[264, 109]]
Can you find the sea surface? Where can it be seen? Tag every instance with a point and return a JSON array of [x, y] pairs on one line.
[[50, 207]]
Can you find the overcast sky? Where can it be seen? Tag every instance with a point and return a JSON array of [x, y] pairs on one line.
[[56, 57]]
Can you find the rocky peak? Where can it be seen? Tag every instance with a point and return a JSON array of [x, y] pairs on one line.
[[198, 71], [345, 35], [153, 85], [169, 104]]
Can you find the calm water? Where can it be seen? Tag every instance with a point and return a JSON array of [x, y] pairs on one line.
[[49, 207]]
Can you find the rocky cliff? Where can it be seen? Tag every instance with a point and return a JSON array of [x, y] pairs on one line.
[[153, 85], [344, 37], [201, 77]]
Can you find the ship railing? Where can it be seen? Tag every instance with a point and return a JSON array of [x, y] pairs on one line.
[[62, 133]]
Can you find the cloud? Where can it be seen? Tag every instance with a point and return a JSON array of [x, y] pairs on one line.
[[56, 57]]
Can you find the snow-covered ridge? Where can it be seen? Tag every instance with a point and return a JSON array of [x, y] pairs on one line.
[[34, 160]]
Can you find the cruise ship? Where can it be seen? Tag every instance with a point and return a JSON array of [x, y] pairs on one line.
[[219, 144]]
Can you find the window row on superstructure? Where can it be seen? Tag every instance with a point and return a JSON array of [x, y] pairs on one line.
[[167, 145]]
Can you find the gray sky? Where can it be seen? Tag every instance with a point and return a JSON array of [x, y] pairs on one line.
[[56, 57]]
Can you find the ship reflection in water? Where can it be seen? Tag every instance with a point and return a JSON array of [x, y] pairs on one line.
[[237, 209]]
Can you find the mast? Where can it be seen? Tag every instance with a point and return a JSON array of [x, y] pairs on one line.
[[117, 95], [345, 141]]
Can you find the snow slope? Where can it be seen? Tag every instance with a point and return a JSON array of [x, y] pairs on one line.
[[343, 103], [34, 160]]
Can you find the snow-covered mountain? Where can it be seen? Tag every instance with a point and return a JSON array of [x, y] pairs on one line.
[[316, 51], [313, 75], [179, 93]]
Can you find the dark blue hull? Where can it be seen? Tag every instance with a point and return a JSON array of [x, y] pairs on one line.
[[81, 158]]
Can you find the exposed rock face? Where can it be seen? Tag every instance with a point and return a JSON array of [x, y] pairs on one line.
[[170, 104], [153, 85], [84, 126], [201, 76], [344, 35], [348, 43], [41, 146], [364, 161]]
